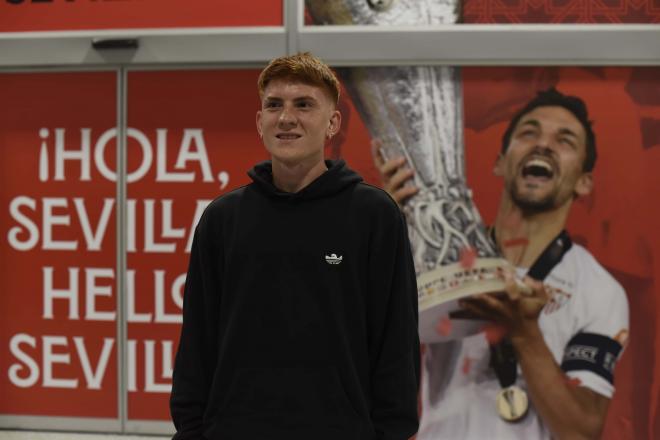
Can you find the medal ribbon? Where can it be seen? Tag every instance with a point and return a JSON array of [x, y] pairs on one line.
[[502, 355]]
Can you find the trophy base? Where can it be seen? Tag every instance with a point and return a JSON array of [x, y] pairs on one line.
[[439, 291]]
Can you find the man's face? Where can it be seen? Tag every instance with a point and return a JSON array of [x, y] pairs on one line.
[[542, 168], [295, 120]]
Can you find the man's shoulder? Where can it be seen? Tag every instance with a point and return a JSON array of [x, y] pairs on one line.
[[592, 276], [373, 197], [228, 200], [589, 265], [601, 304], [223, 206]]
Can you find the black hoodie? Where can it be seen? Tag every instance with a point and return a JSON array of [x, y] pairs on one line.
[[299, 316]]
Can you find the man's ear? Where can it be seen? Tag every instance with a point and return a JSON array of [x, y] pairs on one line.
[[335, 124], [258, 121], [498, 169], [584, 184]]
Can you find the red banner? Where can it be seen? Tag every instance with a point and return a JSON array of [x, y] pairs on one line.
[[67, 15], [58, 330], [561, 11], [617, 222]]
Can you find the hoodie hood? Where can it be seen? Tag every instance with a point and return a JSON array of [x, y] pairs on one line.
[[336, 178]]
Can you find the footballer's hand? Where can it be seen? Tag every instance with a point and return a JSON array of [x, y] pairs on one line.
[[394, 173], [517, 308]]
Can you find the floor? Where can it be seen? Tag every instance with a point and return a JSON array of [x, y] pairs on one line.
[[33, 435]]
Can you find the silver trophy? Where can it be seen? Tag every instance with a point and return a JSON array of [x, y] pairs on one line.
[[416, 112]]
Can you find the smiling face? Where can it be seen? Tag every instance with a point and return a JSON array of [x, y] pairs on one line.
[[295, 121], [543, 165]]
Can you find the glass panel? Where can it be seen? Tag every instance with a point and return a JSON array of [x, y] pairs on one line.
[[55, 15], [480, 11], [561, 11], [199, 128], [57, 192], [617, 222]]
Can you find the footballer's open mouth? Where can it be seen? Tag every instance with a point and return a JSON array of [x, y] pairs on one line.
[[538, 168], [288, 136]]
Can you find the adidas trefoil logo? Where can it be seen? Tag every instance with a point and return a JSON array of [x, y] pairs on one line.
[[333, 259]]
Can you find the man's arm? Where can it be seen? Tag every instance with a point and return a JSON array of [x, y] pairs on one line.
[[195, 357], [568, 410], [393, 330]]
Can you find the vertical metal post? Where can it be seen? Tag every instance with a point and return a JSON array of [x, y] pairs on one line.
[[121, 247], [294, 12]]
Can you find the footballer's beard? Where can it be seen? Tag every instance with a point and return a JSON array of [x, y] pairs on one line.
[[531, 204]]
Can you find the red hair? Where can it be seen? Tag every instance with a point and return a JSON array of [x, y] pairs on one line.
[[303, 67]]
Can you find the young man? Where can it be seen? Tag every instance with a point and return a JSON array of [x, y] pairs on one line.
[[300, 307], [563, 335]]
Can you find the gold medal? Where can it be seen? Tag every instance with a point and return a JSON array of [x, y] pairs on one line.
[[512, 403]]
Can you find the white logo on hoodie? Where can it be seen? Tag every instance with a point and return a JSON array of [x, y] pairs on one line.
[[333, 259]]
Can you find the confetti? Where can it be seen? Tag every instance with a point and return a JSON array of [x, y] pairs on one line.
[[468, 257], [514, 242], [443, 328]]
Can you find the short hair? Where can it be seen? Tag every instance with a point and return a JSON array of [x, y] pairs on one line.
[[553, 98], [303, 67]]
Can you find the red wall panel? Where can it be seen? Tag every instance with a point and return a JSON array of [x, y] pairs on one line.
[[66, 15], [57, 330]]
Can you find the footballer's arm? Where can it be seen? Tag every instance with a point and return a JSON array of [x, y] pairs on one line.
[[567, 409]]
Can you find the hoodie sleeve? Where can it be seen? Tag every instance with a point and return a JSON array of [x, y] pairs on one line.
[[393, 331], [197, 352]]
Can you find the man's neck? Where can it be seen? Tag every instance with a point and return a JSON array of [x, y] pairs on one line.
[[292, 178], [521, 236]]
